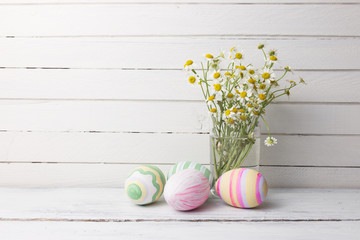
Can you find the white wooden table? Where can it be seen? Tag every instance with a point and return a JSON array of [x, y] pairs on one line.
[[105, 213]]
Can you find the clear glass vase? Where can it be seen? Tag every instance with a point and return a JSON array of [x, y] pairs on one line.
[[231, 150]]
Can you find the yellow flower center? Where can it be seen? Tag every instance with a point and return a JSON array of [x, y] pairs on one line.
[[230, 121], [217, 87], [249, 105], [216, 75], [230, 95], [256, 112], [242, 67], [227, 112], [262, 96], [266, 75], [251, 71], [211, 98], [262, 86], [192, 79], [273, 58], [251, 80], [188, 63], [209, 55], [227, 74], [213, 110], [243, 94], [243, 117], [234, 110], [237, 91], [238, 55], [241, 75], [241, 110]]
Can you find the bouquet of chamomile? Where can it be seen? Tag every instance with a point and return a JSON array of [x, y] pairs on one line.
[[237, 94]]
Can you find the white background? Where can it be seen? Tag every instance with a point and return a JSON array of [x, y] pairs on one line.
[[91, 89]]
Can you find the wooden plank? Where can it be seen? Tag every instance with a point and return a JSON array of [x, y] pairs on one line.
[[103, 147], [168, 148], [194, 230], [322, 86], [113, 175], [312, 177], [172, 52], [138, 19], [313, 151], [111, 204], [163, 116]]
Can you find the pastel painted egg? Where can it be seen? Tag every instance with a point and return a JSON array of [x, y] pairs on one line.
[[242, 187], [191, 165], [187, 190], [145, 184]]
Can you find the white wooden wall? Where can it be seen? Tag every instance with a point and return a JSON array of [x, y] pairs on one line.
[[90, 89]]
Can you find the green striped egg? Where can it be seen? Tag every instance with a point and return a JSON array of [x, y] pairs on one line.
[[191, 165], [145, 184]]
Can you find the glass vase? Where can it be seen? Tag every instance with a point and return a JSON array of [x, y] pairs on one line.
[[231, 150]]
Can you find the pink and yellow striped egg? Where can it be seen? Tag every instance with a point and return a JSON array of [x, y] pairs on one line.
[[242, 188]]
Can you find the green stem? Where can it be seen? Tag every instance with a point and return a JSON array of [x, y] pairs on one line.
[[267, 127]]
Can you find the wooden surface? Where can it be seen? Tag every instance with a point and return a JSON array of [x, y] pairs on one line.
[[106, 213], [86, 101]]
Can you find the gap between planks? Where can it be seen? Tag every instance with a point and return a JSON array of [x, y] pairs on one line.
[[169, 163], [213, 36], [161, 100], [166, 69], [190, 133], [179, 3], [171, 220]]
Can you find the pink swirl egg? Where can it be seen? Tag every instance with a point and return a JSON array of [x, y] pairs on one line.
[[187, 190]]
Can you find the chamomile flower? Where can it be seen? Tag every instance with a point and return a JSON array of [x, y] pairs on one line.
[[255, 112], [240, 69], [244, 94], [192, 77], [217, 87], [235, 54], [262, 87], [272, 57], [250, 106], [230, 121], [189, 65], [213, 111], [230, 95], [209, 56], [267, 74], [270, 141], [261, 97], [252, 81], [215, 74], [243, 118], [229, 114], [231, 54], [211, 98], [251, 70]]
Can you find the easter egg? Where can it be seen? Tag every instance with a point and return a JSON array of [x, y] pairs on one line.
[[145, 184], [242, 188], [187, 190], [191, 165]]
